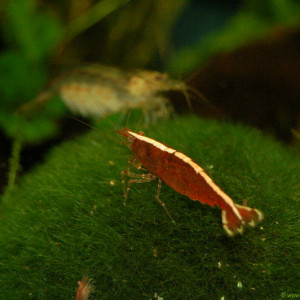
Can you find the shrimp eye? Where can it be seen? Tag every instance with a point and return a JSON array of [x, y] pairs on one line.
[[158, 77], [161, 76]]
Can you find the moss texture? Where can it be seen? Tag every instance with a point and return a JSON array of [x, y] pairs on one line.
[[66, 220]]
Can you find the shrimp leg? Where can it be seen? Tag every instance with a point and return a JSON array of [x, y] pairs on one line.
[[141, 178]]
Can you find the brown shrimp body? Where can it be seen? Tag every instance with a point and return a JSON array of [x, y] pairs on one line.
[[186, 177]]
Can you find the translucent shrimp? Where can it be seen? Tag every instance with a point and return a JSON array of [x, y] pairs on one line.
[[97, 91]]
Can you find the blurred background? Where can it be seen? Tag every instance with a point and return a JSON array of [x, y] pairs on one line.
[[243, 56]]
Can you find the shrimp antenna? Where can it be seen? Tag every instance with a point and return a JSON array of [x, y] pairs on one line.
[[197, 93], [113, 125], [200, 96], [93, 127], [187, 99], [144, 115], [128, 117]]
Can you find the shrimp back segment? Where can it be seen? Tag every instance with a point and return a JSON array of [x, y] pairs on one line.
[[186, 177]]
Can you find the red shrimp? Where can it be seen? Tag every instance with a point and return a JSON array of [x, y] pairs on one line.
[[186, 177], [84, 289]]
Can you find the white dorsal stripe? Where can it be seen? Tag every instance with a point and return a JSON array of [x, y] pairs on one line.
[[195, 166], [152, 142]]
